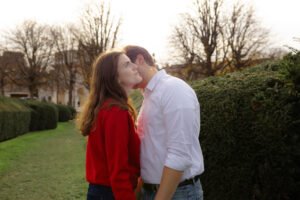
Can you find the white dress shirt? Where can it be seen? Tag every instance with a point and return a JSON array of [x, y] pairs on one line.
[[169, 126]]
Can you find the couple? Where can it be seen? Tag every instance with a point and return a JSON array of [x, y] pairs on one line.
[[165, 143]]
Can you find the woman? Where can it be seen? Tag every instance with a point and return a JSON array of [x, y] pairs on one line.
[[113, 147]]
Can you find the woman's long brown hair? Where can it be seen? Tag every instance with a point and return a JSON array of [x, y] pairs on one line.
[[104, 85]]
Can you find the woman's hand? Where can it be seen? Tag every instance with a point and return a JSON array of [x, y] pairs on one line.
[[138, 188]]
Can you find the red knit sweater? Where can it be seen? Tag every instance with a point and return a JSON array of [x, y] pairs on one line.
[[113, 153]]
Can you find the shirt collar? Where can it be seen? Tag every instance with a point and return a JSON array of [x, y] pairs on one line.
[[155, 79]]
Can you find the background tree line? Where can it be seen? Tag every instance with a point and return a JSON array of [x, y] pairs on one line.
[[215, 38], [37, 55], [210, 39]]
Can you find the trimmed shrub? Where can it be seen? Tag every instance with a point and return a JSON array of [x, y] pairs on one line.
[[14, 118], [43, 115], [64, 113], [291, 69], [250, 135], [73, 111]]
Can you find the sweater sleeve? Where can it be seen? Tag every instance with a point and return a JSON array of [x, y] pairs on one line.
[[116, 146]]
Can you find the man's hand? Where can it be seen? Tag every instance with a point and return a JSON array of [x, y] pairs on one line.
[[138, 188]]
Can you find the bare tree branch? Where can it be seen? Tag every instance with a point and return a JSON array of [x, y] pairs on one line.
[[198, 36], [246, 37], [97, 33]]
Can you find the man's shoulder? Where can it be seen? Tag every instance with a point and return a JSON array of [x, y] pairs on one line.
[[174, 82]]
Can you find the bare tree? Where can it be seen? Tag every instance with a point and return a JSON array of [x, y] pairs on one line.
[[207, 29], [199, 34], [66, 61], [97, 33], [214, 40], [185, 43], [246, 38], [32, 41]]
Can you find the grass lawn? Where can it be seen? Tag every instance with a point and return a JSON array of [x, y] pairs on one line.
[[44, 165]]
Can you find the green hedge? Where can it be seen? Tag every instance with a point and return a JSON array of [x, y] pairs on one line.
[[73, 112], [250, 135], [43, 115], [64, 113], [20, 116], [14, 118]]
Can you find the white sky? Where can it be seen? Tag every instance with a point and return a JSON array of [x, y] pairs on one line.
[[148, 22]]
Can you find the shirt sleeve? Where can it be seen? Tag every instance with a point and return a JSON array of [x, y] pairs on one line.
[[180, 112], [116, 145]]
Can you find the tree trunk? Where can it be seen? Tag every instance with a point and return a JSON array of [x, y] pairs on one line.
[[2, 86], [71, 87], [70, 95], [57, 92], [33, 90], [209, 65]]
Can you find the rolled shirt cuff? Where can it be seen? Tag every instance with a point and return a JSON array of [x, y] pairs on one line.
[[178, 163]]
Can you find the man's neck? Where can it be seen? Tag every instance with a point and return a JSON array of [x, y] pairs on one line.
[[149, 76]]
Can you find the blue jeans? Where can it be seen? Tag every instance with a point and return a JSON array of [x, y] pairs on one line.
[[99, 192], [187, 192]]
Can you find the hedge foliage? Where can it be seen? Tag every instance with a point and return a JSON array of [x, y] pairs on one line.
[[21, 116], [14, 118], [250, 134], [65, 113], [43, 115], [73, 112]]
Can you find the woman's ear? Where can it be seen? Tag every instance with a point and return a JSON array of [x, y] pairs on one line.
[[140, 59]]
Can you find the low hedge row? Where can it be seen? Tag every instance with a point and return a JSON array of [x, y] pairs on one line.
[[20, 116], [11, 111], [73, 112], [43, 115], [64, 113]]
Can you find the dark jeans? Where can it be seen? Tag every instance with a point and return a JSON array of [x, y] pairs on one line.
[[99, 192]]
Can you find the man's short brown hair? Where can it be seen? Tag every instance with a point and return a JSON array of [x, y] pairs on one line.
[[133, 51]]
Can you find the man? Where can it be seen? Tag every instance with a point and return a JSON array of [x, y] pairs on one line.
[[169, 126]]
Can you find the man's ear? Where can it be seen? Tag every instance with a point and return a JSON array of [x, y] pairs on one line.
[[140, 59]]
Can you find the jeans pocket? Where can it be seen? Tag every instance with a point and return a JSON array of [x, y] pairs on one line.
[[189, 192]]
